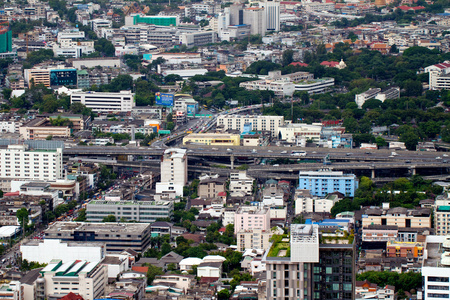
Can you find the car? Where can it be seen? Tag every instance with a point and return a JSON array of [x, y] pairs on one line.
[[229, 150], [348, 154], [190, 151], [215, 149], [367, 152], [270, 151], [283, 152], [391, 156], [445, 155], [276, 165], [438, 157], [314, 152], [407, 162], [394, 154], [254, 151]]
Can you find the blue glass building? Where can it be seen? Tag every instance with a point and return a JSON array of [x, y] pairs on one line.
[[325, 181]]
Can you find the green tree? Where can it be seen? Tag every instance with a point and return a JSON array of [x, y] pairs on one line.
[[22, 217], [288, 57], [223, 294], [81, 215], [152, 272], [109, 218]]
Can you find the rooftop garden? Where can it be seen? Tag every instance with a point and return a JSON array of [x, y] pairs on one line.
[[280, 246]]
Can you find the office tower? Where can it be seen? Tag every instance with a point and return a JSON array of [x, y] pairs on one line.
[[255, 17], [272, 11], [236, 14]]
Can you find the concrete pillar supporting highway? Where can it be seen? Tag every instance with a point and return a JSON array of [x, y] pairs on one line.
[[232, 161], [373, 173], [413, 170], [115, 169]]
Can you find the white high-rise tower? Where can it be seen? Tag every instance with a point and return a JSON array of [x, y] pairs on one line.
[[272, 11]]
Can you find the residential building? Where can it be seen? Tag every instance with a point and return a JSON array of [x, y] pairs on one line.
[[304, 201], [251, 217], [254, 239], [212, 139], [256, 18], [179, 281], [139, 211], [105, 102], [240, 183], [211, 187], [25, 162], [228, 216], [410, 250], [325, 181], [367, 290], [442, 214], [5, 39], [117, 236], [173, 171], [210, 270], [258, 123], [436, 267], [304, 268], [43, 251], [398, 216], [439, 76], [88, 279], [314, 86]]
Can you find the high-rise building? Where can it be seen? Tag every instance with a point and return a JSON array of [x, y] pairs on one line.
[[255, 17], [256, 123], [236, 14], [272, 11], [5, 39], [325, 181], [436, 267], [173, 171], [307, 266], [24, 162]]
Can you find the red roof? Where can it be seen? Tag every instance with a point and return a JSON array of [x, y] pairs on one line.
[[297, 63], [12, 194], [222, 229], [329, 63], [71, 296], [140, 269], [221, 194], [440, 66], [404, 7]]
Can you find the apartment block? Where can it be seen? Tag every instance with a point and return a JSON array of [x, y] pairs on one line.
[[138, 211], [173, 171], [251, 217], [241, 183], [253, 239], [398, 216], [258, 123], [436, 268], [117, 236], [325, 181]]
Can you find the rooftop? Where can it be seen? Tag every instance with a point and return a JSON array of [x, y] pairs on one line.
[[135, 228]]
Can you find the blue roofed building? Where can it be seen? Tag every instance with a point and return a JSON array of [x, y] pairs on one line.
[[325, 181]]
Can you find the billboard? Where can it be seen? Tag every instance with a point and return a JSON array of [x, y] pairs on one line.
[[63, 77], [164, 99]]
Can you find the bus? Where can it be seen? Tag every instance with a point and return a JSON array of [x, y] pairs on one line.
[[298, 153]]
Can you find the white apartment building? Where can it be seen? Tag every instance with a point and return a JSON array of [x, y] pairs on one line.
[[105, 102], [251, 217], [98, 24], [9, 126], [199, 38], [258, 123], [360, 99], [88, 279], [253, 239], [291, 132], [21, 162], [228, 216], [44, 251], [70, 34], [240, 183], [272, 11], [436, 267], [173, 171], [255, 17]]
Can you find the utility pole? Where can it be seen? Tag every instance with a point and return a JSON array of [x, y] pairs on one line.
[[292, 108]]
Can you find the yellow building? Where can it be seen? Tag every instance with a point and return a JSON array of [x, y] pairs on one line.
[[217, 139]]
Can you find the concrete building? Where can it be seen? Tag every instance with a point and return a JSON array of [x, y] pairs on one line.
[[211, 187], [404, 249], [240, 183], [251, 217], [392, 93], [258, 123], [117, 236], [43, 251], [436, 267], [281, 87], [398, 216], [173, 171], [303, 268], [272, 11], [200, 38], [212, 139], [138, 211], [292, 132], [105, 102], [325, 181], [254, 239], [314, 86], [360, 99], [256, 18], [88, 279], [304, 201], [41, 129], [439, 76], [24, 162]]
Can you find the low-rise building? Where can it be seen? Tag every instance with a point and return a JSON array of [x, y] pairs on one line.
[[254, 239], [251, 217], [211, 187], [325, 181], [105, 102], [294, 131], [241, 183], [212, 139], [398, 216]]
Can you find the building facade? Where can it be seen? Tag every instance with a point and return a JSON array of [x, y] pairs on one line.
[[258, 123], [251, 217], [325, 181], [105, 102]]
